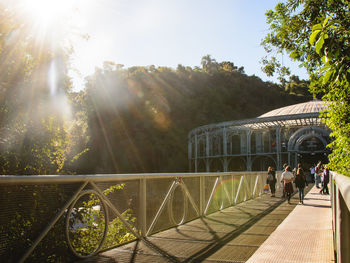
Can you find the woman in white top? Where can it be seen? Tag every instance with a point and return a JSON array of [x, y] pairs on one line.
[[287, 178]]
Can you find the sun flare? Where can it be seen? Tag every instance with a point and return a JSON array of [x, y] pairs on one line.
[[48, 14]]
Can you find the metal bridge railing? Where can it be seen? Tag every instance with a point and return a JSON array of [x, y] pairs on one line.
[[340, 197], [58, 218]]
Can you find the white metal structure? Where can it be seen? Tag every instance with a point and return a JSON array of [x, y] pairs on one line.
[[290, 135]]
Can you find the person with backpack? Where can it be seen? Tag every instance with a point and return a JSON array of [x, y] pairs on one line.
[[325, 181], [288, 178], [271, 180], [318, 173], [284, 193], [300, 182]]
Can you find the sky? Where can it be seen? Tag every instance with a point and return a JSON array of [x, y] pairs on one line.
[[172, 32]]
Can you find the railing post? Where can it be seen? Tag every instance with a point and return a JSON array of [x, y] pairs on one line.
[[211, 195], [221, 193], [143, 204], [239, 188], [201, 195], [255, 185]]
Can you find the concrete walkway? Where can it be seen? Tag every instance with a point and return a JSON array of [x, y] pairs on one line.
[[304, 236]]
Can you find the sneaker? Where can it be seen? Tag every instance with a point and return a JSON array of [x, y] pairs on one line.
[[300, 202]]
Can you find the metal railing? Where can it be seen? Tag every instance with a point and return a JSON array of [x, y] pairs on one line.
[[340, 196], [46, 217]]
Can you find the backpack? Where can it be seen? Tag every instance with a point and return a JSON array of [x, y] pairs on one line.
[[270, 177], [317, 169]]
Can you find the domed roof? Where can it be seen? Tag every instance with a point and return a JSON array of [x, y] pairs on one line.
[[313, 106]]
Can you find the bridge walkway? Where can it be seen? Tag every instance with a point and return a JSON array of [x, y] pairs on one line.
[[230, 235], [304, 236]]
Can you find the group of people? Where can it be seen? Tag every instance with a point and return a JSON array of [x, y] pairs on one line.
[[320, 174], [298, 177]]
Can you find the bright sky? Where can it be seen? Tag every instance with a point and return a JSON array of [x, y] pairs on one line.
[[172, 32]]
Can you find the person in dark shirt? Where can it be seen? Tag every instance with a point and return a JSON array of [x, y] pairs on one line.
[[325, 181], [271, 180], [300, 183]]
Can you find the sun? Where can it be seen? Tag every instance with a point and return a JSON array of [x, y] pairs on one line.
[[47, 14]]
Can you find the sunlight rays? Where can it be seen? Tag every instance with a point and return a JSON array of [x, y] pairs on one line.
[[113, 103], [52, 78], [48, 14]]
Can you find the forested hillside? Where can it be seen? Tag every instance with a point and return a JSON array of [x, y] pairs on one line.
[[126, 119], [138, 118]]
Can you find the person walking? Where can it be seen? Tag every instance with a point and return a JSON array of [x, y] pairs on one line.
[[287, 178], [325, 181], [318, 173], [271, 180], [312, 172], [300, 182], [284, 193]]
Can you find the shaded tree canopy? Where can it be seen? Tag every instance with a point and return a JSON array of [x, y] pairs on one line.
[[139, 117]]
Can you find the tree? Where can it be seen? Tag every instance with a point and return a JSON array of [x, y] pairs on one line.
[[316, 33], [34, 131], [297, 86], [139, 117], [209, 64]]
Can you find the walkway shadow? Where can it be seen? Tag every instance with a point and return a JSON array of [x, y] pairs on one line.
[[135, 252], [320, 206], [215, 246], [100, 258], [317, 199]]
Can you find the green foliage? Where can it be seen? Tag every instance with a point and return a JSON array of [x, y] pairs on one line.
[[29, 209], [36, 131], [34, 206], [139, 117], [316, 33], [87, 224], [272, 66]]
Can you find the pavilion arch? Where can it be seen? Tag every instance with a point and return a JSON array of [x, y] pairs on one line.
[[312, 131], [201, 167], [216, 165], [307, 136], [234, 143], [237, 164], [215, 148], [262, 162]]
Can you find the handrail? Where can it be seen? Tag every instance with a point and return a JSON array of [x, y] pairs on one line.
[[159, 198], [340, 197], [343, 183], [10, 179]]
